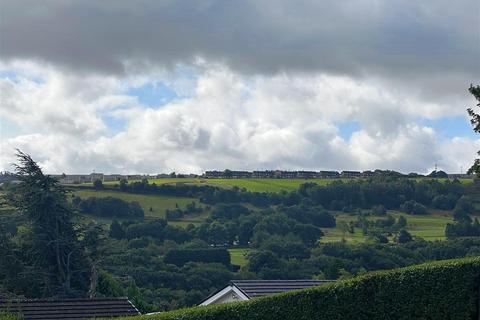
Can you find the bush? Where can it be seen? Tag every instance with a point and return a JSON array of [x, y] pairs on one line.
[[229, 211], [413, 207], [181, 256], [435, 291], [9, 316], [379, 210], [109, 207]]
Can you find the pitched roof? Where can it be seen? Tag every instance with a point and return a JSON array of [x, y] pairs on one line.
[[69, 309], [259, 288]]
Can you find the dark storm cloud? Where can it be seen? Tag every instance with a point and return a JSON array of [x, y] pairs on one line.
[[406, 38]]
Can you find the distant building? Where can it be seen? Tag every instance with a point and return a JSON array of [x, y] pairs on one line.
[[96, 176], [74, 178], [368, 174], [42, 309], [351, 174], [214, 174], [242, 290], [329, 174], [285, 174], [240, 174], [263, 174], [306, 174], [134, 177]]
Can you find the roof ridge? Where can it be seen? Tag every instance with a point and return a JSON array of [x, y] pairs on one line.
[[62, 300]]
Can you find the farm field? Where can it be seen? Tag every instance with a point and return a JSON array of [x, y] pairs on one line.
[[266, 185], [254, 185], [158, 203], [429, 227], [238, 256]]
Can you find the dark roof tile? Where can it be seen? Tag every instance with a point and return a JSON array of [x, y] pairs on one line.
[[69, 309], [259, 288]]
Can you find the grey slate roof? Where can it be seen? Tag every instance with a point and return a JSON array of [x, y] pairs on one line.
[[73, 309], [259, 288]]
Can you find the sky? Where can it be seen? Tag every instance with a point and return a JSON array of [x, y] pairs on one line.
[[146, 86]]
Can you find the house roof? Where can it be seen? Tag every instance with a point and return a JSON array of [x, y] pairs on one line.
[[69, 309], [259, 288]]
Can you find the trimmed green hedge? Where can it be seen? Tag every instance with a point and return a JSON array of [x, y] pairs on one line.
[[181, 256], [439, 290], [8, 316]]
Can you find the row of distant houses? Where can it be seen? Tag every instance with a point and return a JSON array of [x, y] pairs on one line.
[[225, 174], [282, 174], [85, 178]]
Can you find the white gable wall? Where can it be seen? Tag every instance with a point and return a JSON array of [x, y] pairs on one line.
[[228, 294]]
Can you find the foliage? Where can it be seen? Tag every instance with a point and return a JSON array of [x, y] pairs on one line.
[[413, 207], [177, 213], [53, 250], [229, 211], [98, 184], [179, 257], [9, 316], [463, 229], [475, 91], [109, 207], [404, 236], [388, 191], [437, 291]]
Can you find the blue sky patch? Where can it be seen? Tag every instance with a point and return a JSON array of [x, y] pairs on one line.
[[9, 129], [154, 94], [15, 76], [450, 127], [346, 129], [114, 124]]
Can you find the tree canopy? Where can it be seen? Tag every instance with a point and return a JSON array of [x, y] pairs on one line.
[[475, 120]]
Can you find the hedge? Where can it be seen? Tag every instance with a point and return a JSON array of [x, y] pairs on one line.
[[444, 290], [8, 316], [181, 256]]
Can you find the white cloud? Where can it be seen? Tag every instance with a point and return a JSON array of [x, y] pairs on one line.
[[287, 121]]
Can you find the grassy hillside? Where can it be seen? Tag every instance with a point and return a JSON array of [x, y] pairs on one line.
[[255, 185], [158, 203], [437, 291], [238, 256], [428, 227]]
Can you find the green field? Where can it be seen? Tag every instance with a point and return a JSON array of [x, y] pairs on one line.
[[255, 185], [429, 227], [238, 256], [158, 203]]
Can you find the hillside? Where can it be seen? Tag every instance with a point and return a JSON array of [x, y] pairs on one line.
[[256, 185], [436, 291], [317, 231], [428, 227]]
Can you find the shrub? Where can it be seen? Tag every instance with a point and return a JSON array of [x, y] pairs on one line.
[[110, 207], [379, 210], [413, 207], [181, 256], [229, 211], [435, 291], [9, 316]]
